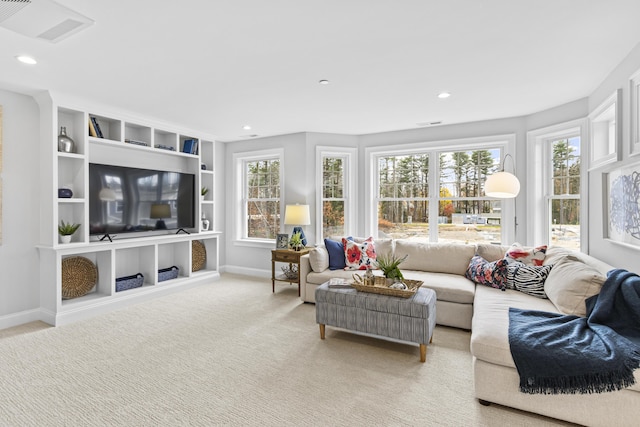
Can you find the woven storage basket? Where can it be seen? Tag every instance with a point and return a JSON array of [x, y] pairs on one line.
[[168, 273], [198, 255], [381, 287], [79, 276], [129, 282]]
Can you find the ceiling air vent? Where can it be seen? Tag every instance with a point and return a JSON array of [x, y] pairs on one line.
[[41, 19]]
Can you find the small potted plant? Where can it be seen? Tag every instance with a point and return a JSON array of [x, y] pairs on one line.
[[389, 264], [203, 192], [296, 241], [66, 230]]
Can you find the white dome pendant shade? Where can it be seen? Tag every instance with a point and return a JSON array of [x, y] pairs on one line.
[[503, 185]]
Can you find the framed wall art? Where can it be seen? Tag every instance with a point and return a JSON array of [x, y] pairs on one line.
[[634, 92], [622, 192], [0, 174], [605, 131]]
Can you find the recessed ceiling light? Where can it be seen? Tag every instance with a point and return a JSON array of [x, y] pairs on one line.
[[443, 95], [246, 127], [26, 59], [324, 82]]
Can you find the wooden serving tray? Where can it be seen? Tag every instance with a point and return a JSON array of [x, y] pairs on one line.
[[381, 287]]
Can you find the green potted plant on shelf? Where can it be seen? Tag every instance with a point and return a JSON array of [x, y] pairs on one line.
[[203, 192], [389, 264], [296, 241], [66, 230]]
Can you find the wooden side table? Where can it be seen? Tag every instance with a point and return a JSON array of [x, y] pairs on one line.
[[288, 256]]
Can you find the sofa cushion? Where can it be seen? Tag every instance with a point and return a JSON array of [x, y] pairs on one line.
[[359, 256], [528, 278], [448, 287], [326, 275], [435, 257], [335, 249], [491, 252], [490, 324], [532, 256], [319, 259], [483, 272], [570, 283]]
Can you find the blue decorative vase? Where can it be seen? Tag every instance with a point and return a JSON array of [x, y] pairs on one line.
[[65, 193]]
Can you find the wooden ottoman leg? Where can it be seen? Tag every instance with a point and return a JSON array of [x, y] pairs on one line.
[[321, 331], [423, 353]]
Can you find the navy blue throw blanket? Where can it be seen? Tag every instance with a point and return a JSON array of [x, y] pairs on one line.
[[558, 354]]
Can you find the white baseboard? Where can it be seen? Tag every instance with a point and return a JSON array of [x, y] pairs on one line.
[[245, 271], [22, 317]]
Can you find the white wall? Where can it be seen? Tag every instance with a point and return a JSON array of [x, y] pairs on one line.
[[19, 287], [615, 254]]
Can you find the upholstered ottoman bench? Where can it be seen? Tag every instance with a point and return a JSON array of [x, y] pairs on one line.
[[407, 319]]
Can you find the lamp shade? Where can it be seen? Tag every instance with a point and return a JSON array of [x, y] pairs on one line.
[[107, 195], [297, 215], [503, 185], [160, 210]]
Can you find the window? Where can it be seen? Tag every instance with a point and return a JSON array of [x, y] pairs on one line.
[[564, 192], [464, 213], [336, 208], [556, 181], [259, 181], [403, 195], [437, 194]]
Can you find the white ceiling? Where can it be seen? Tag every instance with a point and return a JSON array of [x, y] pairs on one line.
[[215, 65]]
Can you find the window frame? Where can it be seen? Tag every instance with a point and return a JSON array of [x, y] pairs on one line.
[[505, 142], [349, 157], [240, 160], [539, 173]]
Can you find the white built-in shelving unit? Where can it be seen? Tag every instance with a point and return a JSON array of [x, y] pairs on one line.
[[126, 141]]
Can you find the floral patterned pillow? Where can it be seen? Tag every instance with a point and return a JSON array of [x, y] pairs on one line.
[[483, 272], [359, 256], [534, 256]]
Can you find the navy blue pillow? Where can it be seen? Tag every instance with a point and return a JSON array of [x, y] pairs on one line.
[[336, 254]]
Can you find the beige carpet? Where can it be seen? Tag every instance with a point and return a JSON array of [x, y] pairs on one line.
[[233, 353]]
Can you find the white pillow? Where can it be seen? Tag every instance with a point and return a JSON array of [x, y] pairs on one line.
[[319, 259], [570, 282]]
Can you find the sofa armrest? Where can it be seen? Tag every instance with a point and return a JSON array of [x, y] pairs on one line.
[[304, 269]]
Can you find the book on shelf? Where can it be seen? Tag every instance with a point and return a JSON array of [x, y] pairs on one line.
[[92, 129], [190, 146], [96, 126]]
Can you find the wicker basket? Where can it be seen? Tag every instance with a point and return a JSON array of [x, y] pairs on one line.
[[129, 282], [198, 255], [380, 286], [79, 276], [168, 273]]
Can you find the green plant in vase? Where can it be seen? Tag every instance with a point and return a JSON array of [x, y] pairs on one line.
[[295, 242], [66, 230], [204, 191], [389, 264]]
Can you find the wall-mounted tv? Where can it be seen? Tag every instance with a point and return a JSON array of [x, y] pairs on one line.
[[129, 200]]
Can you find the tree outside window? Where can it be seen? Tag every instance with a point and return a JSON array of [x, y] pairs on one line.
[[262, 198], [564, 192], [333, 196]]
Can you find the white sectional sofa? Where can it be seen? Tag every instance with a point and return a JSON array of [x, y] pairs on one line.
[[484, 310]]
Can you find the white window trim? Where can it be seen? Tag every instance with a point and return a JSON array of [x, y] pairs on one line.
[[350, 156], [506, 143], [239, 203], [538, 150]]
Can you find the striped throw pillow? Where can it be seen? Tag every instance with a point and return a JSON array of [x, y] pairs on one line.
[[528, 279]]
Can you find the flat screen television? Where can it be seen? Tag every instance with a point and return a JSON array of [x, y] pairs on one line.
[[130, 200]]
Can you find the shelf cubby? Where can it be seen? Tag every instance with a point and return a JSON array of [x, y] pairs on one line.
[[103, 288], [71, 173], [211, 246], [142, 259], [183, 138], [177, 253], [111, 128], [163, 139], [74, 123], [73, 212], [137, 133]]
